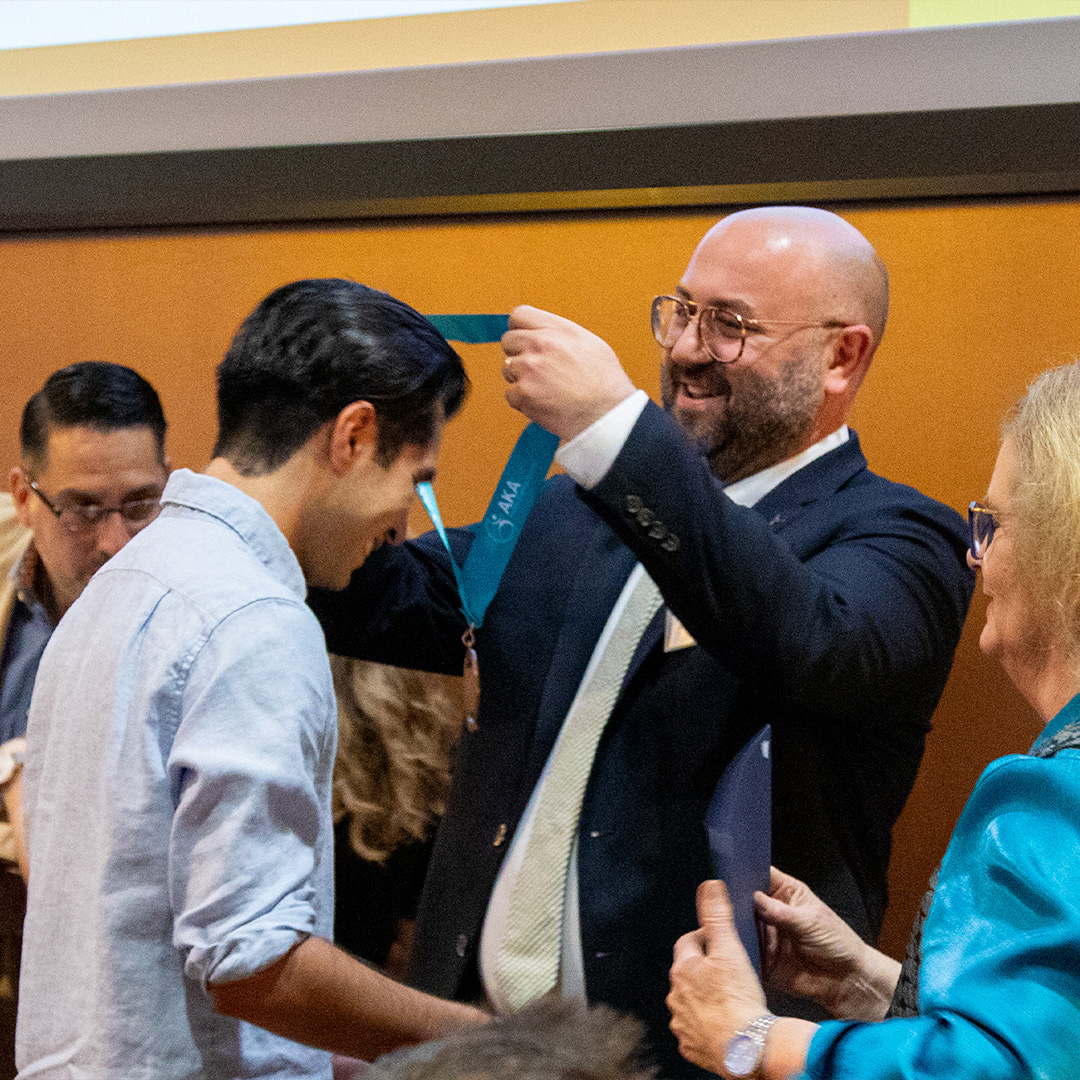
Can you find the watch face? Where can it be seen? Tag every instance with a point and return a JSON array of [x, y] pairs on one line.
[[741, 1055]]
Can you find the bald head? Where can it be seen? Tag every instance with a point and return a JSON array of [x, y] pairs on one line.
[[811, 297], [836, 269]]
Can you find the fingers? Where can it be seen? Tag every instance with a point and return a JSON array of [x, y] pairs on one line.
[[776, 912], [689, 946], [783, 884], [526, 317], [560, 375], [524, 322]]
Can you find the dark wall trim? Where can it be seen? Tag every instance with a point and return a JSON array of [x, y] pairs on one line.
[[1020, 150], [964, 111]]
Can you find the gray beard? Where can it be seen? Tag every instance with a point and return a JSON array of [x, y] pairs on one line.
[[766, 422]]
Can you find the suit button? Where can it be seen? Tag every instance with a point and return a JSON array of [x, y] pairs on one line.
[[461, 945], [594, 834], [500, 835], [633, 503], [645, 516], [470, 723], [658, 531], [670, 543]]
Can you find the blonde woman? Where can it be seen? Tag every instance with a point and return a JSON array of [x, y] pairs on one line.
[[396, 729]]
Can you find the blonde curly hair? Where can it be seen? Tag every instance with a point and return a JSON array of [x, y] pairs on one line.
[[1044, 429], [396, 731]]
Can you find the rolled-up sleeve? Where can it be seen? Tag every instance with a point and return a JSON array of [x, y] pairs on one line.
[[250, 769]]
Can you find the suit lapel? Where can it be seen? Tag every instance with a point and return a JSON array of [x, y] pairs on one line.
[[603, 565], [821, 478]]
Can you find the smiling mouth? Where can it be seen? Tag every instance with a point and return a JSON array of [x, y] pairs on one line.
[[697, 393]]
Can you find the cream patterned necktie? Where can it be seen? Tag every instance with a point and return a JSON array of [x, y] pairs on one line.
[[527, 964]]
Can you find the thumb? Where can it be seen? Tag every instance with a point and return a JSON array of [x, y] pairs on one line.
[[526, 317], [715, 915]]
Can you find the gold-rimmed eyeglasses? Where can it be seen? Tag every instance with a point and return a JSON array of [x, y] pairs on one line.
[[722, 332], [982, 524], [84, 517]]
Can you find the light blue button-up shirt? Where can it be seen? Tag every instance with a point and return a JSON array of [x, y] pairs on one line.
[[182, 739]]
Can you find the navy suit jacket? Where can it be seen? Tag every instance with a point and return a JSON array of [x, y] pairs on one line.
[[830, 610]]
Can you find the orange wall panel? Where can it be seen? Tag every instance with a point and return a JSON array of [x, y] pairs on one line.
[[983, 298]]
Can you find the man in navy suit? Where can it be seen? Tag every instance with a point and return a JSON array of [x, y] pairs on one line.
[[799, 590]]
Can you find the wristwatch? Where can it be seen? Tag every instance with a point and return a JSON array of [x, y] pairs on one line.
[[745, 1049]]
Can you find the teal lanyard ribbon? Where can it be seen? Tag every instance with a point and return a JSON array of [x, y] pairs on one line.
[[517, 490]]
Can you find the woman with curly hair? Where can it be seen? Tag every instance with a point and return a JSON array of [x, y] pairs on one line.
[[396, 729]]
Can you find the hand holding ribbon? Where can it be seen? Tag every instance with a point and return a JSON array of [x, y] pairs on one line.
[[561, 375]]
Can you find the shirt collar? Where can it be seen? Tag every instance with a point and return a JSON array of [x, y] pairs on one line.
[[26, 575], [244, 515], [750, 489], [1068, 714]]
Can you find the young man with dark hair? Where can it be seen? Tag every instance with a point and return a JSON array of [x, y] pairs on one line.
[[194, 734]]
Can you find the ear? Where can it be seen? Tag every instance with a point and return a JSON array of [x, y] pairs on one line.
[[852, 351], [20, 495], [353, 436]]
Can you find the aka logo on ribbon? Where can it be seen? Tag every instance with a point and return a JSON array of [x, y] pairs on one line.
[[499, 525]]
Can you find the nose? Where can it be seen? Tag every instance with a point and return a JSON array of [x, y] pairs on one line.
[[688, 348], [112, 534]]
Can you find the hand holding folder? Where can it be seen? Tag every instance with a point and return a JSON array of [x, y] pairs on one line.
[[738, 822]]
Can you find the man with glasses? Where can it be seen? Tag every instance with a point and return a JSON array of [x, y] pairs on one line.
[[799, 590], [92, 471]]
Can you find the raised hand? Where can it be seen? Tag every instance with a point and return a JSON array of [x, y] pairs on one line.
[[560, 374]]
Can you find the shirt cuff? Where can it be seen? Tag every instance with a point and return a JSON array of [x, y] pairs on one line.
[[588, 456]]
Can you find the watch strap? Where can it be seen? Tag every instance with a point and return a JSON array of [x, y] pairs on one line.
[[746, 1048]]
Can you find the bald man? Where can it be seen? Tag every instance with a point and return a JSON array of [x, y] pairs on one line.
[[798, 588]]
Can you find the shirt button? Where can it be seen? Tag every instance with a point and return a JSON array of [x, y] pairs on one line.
[[500, 835], [461, 945]]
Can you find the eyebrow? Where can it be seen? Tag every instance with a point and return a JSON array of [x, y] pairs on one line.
[[147, 491], [737, 307], [423, 476]]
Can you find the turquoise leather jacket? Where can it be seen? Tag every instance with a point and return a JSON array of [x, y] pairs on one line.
[[999, 985]]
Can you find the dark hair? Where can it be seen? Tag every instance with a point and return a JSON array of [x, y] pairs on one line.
[[313, 347], [551, 1039], [90, 394]]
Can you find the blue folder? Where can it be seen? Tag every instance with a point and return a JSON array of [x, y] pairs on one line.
[[739, 826]]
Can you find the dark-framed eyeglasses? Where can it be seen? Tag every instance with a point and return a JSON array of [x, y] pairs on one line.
[[982, 524], [77, 518], [722, 332]]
